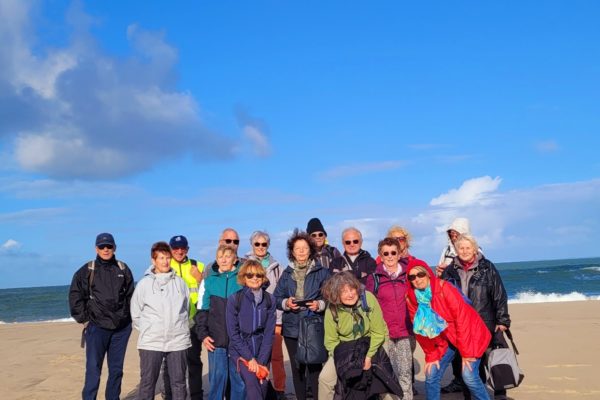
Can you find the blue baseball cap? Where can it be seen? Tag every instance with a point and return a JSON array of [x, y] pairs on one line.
[[105, 238], [178, 242]]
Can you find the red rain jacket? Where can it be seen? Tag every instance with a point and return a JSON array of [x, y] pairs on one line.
[[466, 330]]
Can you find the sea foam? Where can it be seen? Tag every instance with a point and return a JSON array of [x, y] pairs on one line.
[[537, 297], [41, 321]]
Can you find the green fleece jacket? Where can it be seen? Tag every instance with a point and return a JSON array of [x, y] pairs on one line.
[[375, 326]]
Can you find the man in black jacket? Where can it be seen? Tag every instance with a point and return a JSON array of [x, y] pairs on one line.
[[354, 259], [99, 299]]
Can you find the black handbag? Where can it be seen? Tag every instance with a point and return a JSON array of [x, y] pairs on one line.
[[311, 336]]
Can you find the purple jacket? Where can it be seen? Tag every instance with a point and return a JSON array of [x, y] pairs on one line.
[[391, 294], [250, 327]]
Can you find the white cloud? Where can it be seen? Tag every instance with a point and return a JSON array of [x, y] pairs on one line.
[[342, 171], [543, 222], [472, 191], [255, 131], [546, 146], [10, 245], [118, 125]]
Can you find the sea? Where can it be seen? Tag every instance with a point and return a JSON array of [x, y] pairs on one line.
[[526, 282]]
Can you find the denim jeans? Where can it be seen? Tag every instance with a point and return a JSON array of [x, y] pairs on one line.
[[471, 378], [100, 342], [220, 369]]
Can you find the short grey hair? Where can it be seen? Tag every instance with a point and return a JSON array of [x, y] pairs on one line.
[[351, 229], [468, 238], [256, 234]]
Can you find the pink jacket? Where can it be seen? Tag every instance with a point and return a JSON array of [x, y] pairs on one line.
[[391, 294]]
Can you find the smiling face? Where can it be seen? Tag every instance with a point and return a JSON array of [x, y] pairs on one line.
[[179, 253], [161, 262], [466, 251], [260, 246], [349, 296], [419, 279], [254, 277], [301, 251], [390, 256], [352, 241]]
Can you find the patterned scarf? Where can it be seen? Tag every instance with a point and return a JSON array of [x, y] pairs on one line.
[[358, 322], [427, 322]]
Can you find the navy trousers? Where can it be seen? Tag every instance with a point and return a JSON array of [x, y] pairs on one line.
[[100, 342]]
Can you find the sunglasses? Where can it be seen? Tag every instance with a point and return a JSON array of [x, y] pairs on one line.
[[349, 242], [106, 246], [412, 277], [263, 244], [317, 234], [251, 275], [234, 241], [389, 253], [400, 238]]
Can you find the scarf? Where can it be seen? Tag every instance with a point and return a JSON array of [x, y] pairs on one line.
[[427, 322], [299, 275], [358, 322]]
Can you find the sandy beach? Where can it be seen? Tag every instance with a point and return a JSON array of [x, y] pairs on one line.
[[560, 356]]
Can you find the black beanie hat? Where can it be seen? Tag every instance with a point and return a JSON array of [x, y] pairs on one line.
[[315, 225]]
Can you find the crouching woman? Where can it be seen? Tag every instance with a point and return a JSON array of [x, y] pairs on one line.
[[443, 324], [354, 334], [251, 327], [159, 310]]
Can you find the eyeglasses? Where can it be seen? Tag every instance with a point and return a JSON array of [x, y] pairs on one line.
[[234, 241], [400, 238], [251, 275], [421, 274], [349, 242], [106, 246], [317, 234], [389, 253], [258, 244]]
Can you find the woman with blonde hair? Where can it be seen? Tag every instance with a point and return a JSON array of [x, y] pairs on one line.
[[443, 324], [251, 327]]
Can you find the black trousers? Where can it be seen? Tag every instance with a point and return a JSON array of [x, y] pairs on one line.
[[302, 373], [194, 378], [150, 363]]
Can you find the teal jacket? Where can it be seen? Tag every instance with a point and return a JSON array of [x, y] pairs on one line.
[[212, 305]]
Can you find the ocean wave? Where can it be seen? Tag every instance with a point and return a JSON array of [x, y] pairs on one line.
[[41, 321], [594, 268], [537, 297]]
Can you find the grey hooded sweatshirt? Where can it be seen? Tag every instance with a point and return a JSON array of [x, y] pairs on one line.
[[159, 311]]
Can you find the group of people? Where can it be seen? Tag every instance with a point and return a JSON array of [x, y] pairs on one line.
[[362, 316]]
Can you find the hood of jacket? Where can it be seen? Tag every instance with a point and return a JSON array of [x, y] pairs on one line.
[[460, 225], [410, 290]]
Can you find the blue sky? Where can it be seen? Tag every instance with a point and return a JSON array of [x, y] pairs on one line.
[[150, 119]]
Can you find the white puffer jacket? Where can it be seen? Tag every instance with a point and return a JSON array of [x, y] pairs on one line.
[[159, 310]]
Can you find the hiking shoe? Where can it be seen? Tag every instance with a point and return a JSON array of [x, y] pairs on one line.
[[453, 387]]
